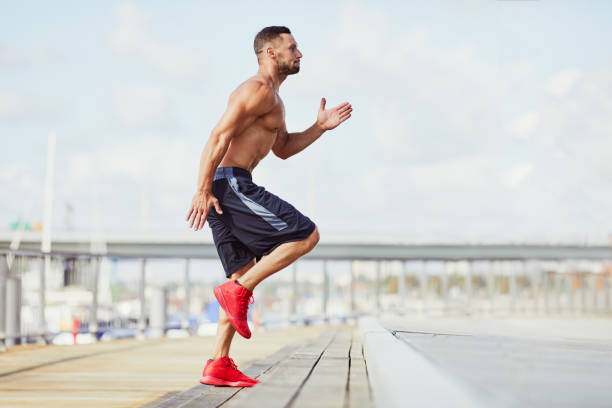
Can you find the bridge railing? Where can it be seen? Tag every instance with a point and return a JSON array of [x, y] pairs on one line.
[[311, 291]]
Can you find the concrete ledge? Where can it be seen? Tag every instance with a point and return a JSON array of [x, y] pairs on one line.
[[402, 377]]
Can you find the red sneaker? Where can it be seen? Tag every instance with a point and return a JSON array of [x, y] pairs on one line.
[[234, 299], [223, 371]]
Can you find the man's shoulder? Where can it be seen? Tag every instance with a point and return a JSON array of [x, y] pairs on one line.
[[255, 90], [252, 86]]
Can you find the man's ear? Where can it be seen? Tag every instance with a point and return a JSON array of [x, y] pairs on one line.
[[270, 52]]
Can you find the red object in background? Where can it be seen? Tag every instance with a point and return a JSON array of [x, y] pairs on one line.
[[76, 325]]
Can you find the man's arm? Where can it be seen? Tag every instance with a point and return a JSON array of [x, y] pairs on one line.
[[288, 144], [246, 104]]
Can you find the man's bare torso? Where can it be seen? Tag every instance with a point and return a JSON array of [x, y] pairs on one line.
[[254, 121], [248, 147]]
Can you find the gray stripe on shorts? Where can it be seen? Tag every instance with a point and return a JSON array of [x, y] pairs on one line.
[[257, 208]]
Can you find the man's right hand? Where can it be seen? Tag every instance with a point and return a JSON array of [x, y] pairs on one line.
[[200, 205]]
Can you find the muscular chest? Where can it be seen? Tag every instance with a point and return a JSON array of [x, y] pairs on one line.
[[275, 119]]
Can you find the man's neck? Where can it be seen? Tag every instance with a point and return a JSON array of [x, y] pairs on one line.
[[270, 73]]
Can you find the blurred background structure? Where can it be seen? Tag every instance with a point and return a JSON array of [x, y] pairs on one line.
[[464, 208], [337, 282], [480, 136]]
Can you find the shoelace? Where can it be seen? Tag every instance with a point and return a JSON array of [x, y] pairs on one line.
[[232, 364], [244, 304]]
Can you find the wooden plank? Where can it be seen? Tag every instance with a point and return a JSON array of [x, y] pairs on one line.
[[326, 387], [279, 385], [184, 397], [122, 373], [214, 397], [22, 359], [159, 400], [209, 396], [359, 393]]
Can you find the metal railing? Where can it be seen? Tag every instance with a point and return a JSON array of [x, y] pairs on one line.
[[344, 289]]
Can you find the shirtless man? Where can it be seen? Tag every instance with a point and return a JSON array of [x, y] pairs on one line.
[[256, 233]]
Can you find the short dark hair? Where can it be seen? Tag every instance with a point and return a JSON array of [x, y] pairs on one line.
[[268, 34]]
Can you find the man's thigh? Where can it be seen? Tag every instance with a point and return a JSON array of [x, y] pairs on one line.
[[263, 221]]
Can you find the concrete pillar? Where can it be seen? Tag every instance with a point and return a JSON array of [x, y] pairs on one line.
[[93, 318], [583, 292], [142, 321], [554, 300], [325, 290], [512, 277], [489, 278], [13, 310], [423, 285], [42, 323], [525, 272], [294, 293], [490, 283], [158, 315], [401, 287], [3, 276], [186, 298], [352, 287], [448, 265], [557, 290], [593, 286], [468, 285], [570, 287], [545, 279], [607, 297], [534, 273], [444, 285], [377, 286]]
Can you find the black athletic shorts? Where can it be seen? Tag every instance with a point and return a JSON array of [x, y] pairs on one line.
[[254, 221]]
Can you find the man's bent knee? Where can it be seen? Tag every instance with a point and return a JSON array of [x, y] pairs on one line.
[[242, 270], [312, 240]]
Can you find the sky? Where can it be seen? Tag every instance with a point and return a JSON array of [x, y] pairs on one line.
[[474, 121]]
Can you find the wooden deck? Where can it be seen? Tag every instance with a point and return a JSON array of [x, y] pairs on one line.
[[327, 372], [298, 367]]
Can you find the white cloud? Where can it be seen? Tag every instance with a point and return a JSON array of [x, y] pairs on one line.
[[395, 131], [580, 126], [524, 125], [440, 117], [165, 169], [39, 52], [141, 106], [424, 102], [21, 106], [132, 37], [430, 151], [562, 82], [21, 187], [517, 175], [467, 171], [11, 58]]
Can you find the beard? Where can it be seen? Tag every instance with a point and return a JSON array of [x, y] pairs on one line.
[[288, 68]]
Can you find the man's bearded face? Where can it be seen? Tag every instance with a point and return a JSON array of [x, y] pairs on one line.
[[288, 56], [288, 67]]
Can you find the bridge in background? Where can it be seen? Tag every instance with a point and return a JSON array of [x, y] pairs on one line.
[[183, 246], [467, 278]]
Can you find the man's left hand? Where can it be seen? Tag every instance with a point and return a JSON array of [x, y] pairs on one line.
[[327, 119]]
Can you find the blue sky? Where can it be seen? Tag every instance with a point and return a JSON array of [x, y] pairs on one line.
[[474, 120]]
